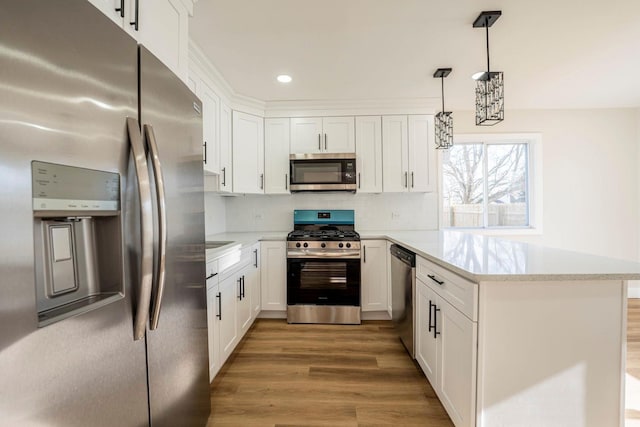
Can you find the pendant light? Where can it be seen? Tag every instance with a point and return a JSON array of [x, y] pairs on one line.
[[444, 119], [489, 85]]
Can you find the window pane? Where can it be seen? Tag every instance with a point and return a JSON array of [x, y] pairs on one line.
[[507, 185], [462, 186]]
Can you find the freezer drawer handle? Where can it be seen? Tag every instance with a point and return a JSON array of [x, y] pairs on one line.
[[146, 226], [162, 224]]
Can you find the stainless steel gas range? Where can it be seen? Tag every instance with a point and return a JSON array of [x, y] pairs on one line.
[[323, 268]]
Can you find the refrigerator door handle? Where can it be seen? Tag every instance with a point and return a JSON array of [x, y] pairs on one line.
[[162, 224], [146, 227]]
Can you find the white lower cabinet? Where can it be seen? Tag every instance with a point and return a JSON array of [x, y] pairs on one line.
[[273, 275], [374, 283], [446, 350], [231, 303]]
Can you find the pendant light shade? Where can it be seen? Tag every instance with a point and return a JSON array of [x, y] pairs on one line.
[[444, 119], [490, 84]]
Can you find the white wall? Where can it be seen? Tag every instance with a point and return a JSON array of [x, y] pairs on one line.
[[373, 211], [591, 186]]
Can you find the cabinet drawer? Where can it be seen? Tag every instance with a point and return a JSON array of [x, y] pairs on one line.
[[457, 291]]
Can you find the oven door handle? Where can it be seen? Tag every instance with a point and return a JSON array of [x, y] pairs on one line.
[[319, 253]]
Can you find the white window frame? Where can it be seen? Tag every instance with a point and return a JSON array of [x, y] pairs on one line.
[[534, 181]]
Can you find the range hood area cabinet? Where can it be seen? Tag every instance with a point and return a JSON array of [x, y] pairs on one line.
[[323, 135], [162, 26], [248, 153], [409, 154]]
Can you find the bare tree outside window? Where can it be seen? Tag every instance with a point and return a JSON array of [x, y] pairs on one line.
[[485, 185]]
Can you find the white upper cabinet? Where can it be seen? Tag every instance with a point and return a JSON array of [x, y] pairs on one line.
[[160, 25], [323, 135], [422, 154], [369, 154], [210, 127], [248, 153], [395, 151], [226, 163], [409, 154], [276, 156]]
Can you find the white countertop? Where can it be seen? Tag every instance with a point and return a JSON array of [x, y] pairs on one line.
[[482, 258], [476, 257]]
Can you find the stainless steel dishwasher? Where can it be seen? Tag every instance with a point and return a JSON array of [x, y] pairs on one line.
[[403, 291]]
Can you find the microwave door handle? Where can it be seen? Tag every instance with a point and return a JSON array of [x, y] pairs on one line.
[[162, 224], [319, 142], [146, 227]]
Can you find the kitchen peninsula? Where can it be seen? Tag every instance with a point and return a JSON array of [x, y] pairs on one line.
[[507, 331]]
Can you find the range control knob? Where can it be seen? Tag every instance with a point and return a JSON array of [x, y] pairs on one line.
[[340, 245], [348, 245], [306, 245], [324, 245], [298, 245]]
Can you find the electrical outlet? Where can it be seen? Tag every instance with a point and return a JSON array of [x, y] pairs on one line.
[[395, 215], [258, 217]]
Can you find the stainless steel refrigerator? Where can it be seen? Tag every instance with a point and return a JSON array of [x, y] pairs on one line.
[[102, 293]]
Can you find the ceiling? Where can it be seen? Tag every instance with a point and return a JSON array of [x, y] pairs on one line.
[[554, 53]]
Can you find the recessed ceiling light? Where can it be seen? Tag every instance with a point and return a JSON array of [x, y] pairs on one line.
[[283, 78], [477, 75]]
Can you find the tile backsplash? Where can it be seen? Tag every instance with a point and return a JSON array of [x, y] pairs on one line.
[[388, 211]]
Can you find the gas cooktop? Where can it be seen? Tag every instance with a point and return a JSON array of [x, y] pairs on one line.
[[333, 235]]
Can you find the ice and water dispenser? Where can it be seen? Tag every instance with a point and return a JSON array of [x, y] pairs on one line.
[[78, 243]]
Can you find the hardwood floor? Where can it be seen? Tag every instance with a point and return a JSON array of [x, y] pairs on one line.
[[318, 375]]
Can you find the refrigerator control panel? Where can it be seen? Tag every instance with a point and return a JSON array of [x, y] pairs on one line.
[[67, 188]]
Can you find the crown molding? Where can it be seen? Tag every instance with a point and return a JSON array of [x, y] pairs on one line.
[[351, 107]]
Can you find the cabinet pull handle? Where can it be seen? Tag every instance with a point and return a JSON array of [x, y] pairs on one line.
[[406, 178], [412, 182], [219, 315], [135, 15], [255, 252], [431, 305], [211, 275], [365, 254], [224, 177], [205, 152], [319, 142], [286, 181], [240, 288], [359, 180], [121, 9], [262, 181], [435, 322], [432, 277], [325, 142]]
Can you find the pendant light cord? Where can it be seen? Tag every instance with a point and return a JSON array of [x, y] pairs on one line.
[[486, 25], [442, 81]]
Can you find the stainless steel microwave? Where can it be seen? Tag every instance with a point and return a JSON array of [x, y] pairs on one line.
[[323, 172]]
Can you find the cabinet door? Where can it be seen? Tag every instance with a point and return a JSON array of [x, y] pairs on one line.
[[422, 154], [338, 135], [227, 323], [276, 156], [426, 343], [163, 29], [273, 275], [374, 275], [244, 300], [109, 8], [248, 153], [395, 146], [226, 166], [213, 327], [254, 280], [306, 135], [210, 127], [369, 154]]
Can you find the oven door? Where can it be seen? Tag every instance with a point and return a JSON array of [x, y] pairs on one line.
[[322, 174], [318, 281]]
